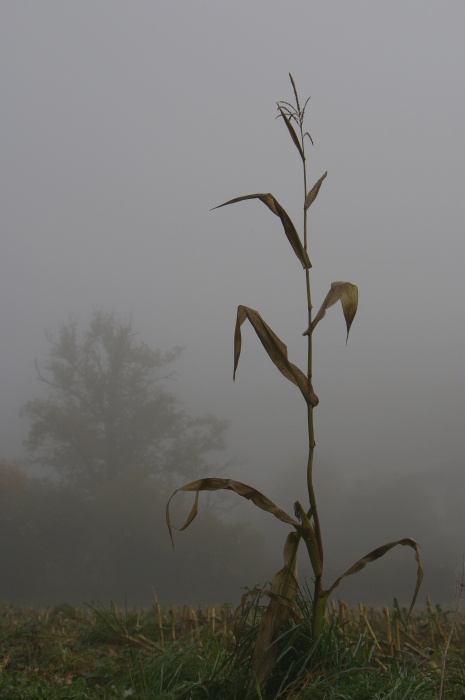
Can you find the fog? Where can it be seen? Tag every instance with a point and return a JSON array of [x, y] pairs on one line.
[[124, 124]]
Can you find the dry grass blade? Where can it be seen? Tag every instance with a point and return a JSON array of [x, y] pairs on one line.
[[289, 228], [276, 349], [216, 484], [312, 195], [284, 591], [348, 294], [292, 133], [377, 554]]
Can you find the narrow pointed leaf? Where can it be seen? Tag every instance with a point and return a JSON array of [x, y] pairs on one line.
[[216, 484], [377, 554], [292, 133], [289, 228], [276, 350], [348, 294], [284, 591], [312, 195]]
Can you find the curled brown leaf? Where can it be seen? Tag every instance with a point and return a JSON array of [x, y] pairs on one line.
[[289, 228], [377, 554], [348, 294], [217, 484], [312, 195], [276, 349]]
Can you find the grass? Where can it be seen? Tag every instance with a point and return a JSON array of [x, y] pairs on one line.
[[171, 654]]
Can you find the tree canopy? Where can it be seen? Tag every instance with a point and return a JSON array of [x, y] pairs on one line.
[[107, 410]]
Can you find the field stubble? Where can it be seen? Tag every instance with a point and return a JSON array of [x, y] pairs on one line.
[[169, 652]]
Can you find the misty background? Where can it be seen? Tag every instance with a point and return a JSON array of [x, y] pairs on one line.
[[122, 125]]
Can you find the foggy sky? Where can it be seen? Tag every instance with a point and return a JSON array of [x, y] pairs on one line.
[[123, 124]]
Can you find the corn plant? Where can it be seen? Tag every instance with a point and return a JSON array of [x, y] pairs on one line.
[[305, 522]]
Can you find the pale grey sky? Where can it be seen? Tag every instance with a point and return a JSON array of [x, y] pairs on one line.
[[122, 124]]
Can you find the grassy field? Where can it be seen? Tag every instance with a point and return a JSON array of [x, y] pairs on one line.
[[170, 654]]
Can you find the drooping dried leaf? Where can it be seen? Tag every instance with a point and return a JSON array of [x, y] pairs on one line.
[[289, 228], [312, 195], [292, 133], [377, 554], [276, 350], [216, 484], [348, 294], [284, 591]]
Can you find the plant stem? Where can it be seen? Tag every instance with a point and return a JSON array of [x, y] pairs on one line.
[[313, 508], [311, 435], [319, 603]]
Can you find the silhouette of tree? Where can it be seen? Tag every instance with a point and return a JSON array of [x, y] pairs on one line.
[[107, 410]]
